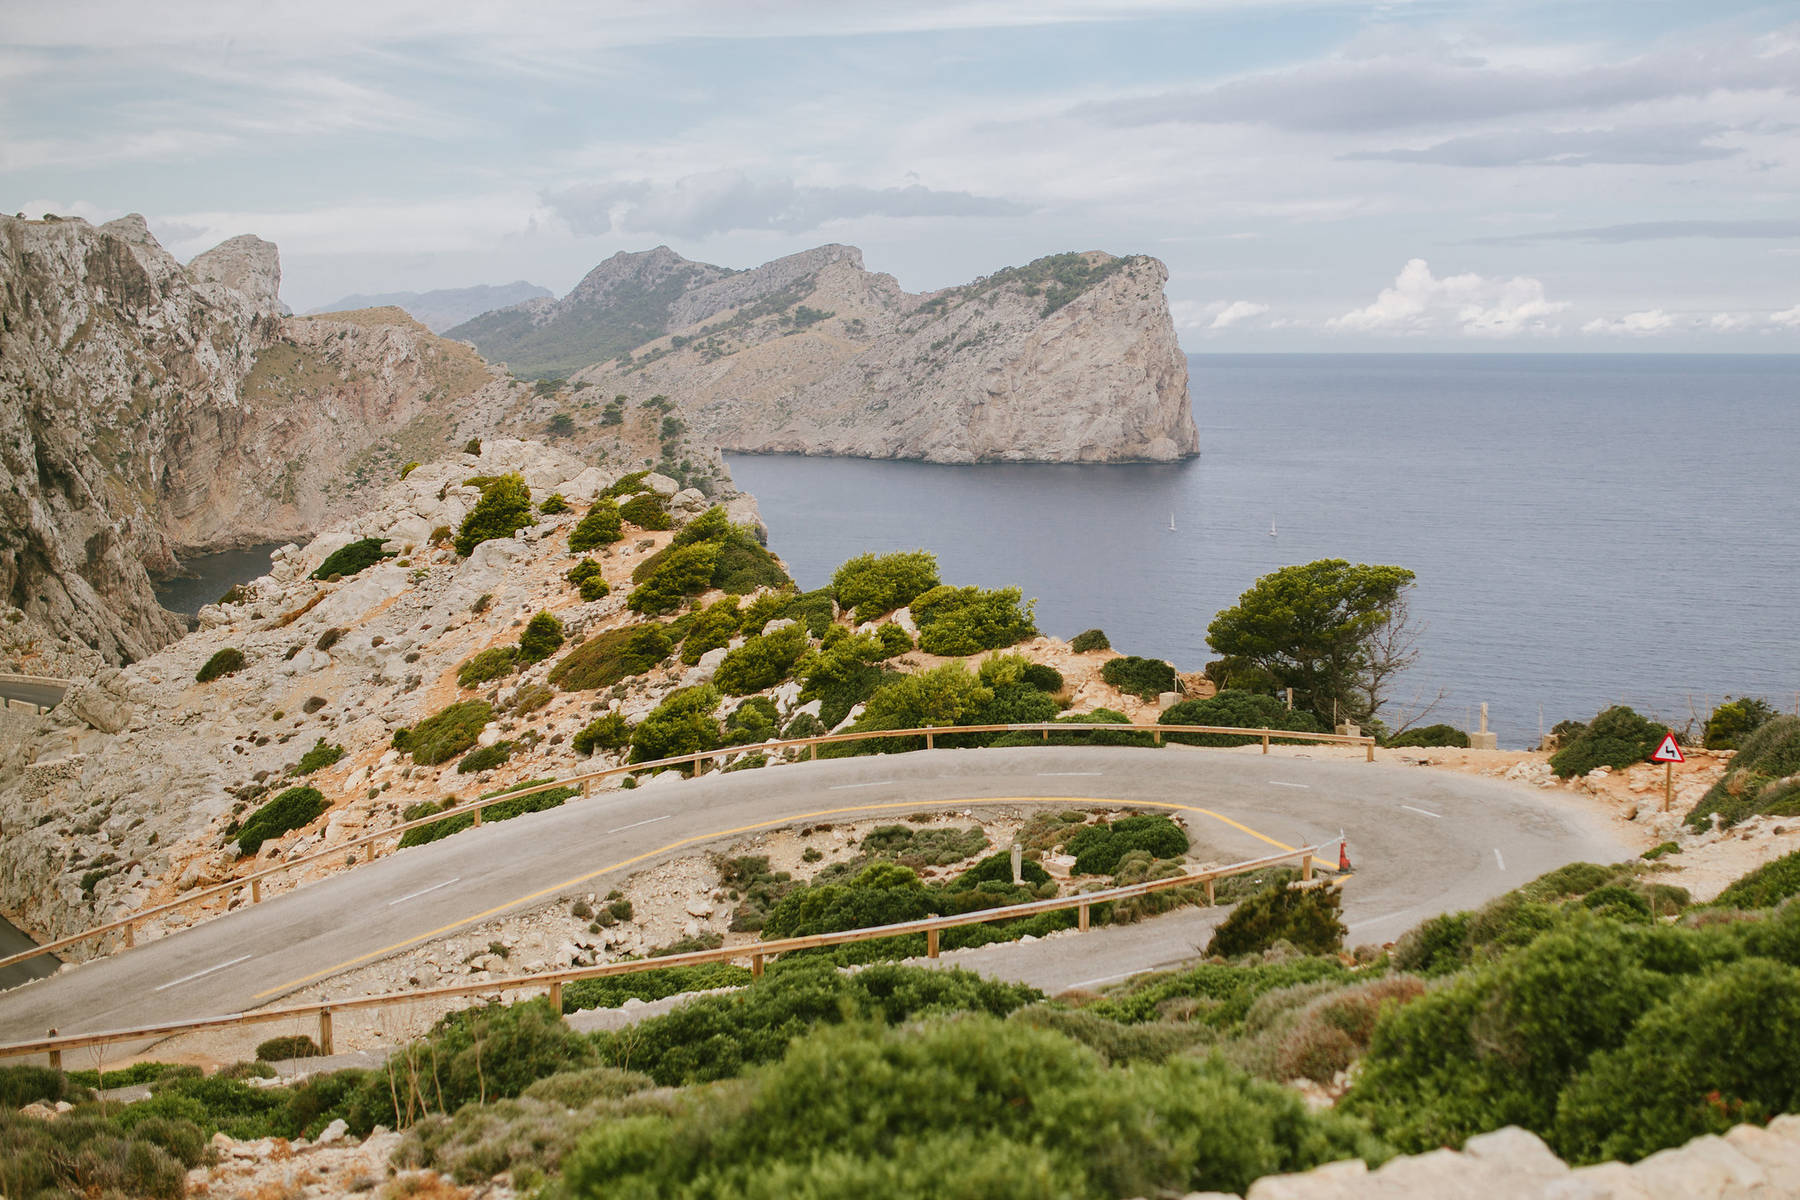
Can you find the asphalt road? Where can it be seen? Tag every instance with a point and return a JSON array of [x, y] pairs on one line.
[[1422, 842], [31, 691]]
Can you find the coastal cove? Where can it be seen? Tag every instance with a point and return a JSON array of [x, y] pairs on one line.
[[1586, 529]]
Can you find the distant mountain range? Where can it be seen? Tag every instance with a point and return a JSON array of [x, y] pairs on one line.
[[441, 309]]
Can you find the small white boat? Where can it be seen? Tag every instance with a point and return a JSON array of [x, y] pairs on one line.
[[1171, 522], [1272, 532]]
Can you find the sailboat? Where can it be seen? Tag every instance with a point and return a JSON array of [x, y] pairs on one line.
[[1171, 522], [1272, 532]]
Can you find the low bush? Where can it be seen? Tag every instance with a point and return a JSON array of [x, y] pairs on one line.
[[482, 1054], [614, 990], [278, 1049], [322, 755], [1432, 735], [1306, 918], [1236, 710], [646, 510], [1145, 678], [292, 809], [711, 630], [446, 733], [1618, 737], [627, 485], [608, 657], [1099, 847], [960, 621], [842, 675], [542, 637], [496, 662], [228, 661], [24, 1084], [91, 1156], [870, 585], [1764, 887], [349, 560], [1764, 777], [330, 637], [763, 661], [1043, 678], [755, 720], [894, 640], [1089, 640], [610, 732], [685, 571], [503, 510], [1734, 720], [682, 724], [602, 526], [485, 758], [554, 503]]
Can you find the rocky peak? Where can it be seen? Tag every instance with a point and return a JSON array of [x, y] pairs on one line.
[[632, 270], [246, 265]]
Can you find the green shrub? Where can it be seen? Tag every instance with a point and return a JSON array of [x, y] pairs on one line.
[[1145, 678], [682, 724], [1432, 735], [711, 630], [1043, 678], [349, 560], [1760, 778], [577, 1089], [755, 720], [646, 510], [1213, 994], [473, 446], [1089, 640], [1734, 720], [1307, 918], [409, 468], [296, 1045], [602, 526], [611, 732], [626, 485], [1618, 737], [872, 585], [228, 661], [503, 510], [842, 675], [485, 758], [542, 637], [483, 1054], [23, 1084], [1099, 716], [1235, 710], [959, 621], [318, 758], [1436, 946], [611, 991], [554, 503], [594, 588], [997, 868], [496, 662], [1764, 887], [762, 661], [608, 657], [292, 809], [448, 732], [894, 640], [685, 571], [1099, 847], [586, 569]]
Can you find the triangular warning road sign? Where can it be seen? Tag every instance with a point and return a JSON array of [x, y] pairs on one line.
[[1668, 752]]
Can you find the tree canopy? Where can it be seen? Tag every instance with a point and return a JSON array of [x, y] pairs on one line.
[[1336, 633]]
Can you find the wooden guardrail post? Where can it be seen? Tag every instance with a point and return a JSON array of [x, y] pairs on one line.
[[1265, 743], [815, 751], [756, 966], [1156, 735], [55, 1055], [1306, 868], [930, 740], [556, 995], [1081, 918], [1209, 893], [130, 936], [1046, 733], [324, 1031], [587, 788], [931, 943], [256, 891], [1370, 747], [478, 818]]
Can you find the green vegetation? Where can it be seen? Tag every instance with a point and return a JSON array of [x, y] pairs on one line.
[[1734, 720], [292, 809], [682, 724], [755, 720], [1088, 640], [1764, 887], [1337, 634], [871, 585], [1305, 918], [1098, 848], [586, 577], [1617, 737], [1764, 777], [626, 485], [293, 1045], [608, 657], [503, 510], [92, 1156], [611, 732], [740, 563], [763, 661], [1145, 678], [1431, 735], [711, 629], [506, 810], [602, 526], [322, 755], [958, 621], [1099, 716], [554, 503], [543, 636], [485, 758], [349, 560], [446, 733], [613, 990], [646, 510], [496, 662], [1235, 710], [679, 572], [228, 661]]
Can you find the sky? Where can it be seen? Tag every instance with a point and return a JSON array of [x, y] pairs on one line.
[[1400, 176]]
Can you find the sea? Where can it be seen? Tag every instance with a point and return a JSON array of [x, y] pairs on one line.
[[1585, 529]]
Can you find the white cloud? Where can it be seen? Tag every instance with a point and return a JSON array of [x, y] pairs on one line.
[[1237, 310], [1730, 322], [1475, 305], [1637, 324], [1787, 318]]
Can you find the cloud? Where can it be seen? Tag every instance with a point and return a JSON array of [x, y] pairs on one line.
[[718, 202], [1787, 318], [1470, 304], [1237, 310], [1650, 231], [1668, 146], [1637, 324], [1413, 86]]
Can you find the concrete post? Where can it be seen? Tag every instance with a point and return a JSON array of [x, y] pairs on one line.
[[1482, 739], [1018, 863]]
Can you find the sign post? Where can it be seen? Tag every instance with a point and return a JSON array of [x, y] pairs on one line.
[[1668, 754]]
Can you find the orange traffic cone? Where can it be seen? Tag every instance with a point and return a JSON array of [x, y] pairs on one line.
[[1343, 857]]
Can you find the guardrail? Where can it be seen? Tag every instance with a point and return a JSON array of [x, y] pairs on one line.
[[757, 952], [31, 681], [586, 780]]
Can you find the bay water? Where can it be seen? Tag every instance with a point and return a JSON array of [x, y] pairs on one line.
[[1586, 529]]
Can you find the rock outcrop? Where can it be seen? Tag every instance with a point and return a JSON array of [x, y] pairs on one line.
[[1072, 358]]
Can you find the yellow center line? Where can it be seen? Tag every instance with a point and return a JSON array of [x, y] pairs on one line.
[[915, 805]]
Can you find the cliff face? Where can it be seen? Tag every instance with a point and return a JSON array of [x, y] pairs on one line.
[[1072, 358], [149, 410]]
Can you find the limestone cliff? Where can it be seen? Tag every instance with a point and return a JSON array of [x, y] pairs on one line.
[[1072, 358]]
